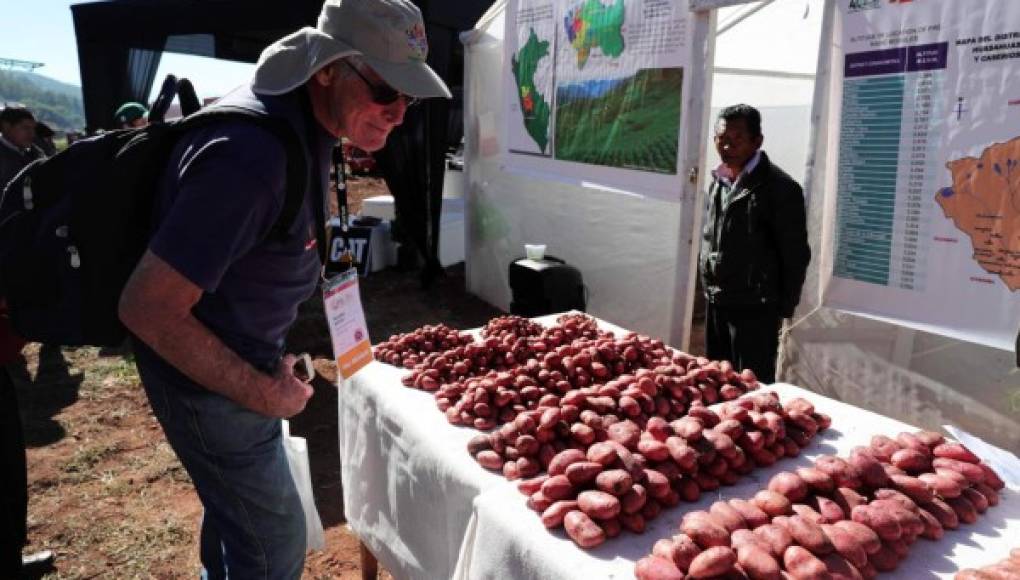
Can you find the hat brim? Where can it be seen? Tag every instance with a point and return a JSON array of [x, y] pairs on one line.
[[289, 62], [416, 79]]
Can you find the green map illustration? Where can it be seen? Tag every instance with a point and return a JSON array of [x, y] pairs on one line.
[[593, 24], [631, 122], [534, 106]]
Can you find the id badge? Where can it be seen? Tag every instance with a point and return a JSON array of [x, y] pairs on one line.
[[347, 329]]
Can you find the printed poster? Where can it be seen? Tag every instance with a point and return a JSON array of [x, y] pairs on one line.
[[927, 231]]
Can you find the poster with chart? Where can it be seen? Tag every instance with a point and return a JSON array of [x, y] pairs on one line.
[[927, 224], [595, 90]]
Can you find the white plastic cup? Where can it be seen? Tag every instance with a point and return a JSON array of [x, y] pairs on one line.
[[534, 251]]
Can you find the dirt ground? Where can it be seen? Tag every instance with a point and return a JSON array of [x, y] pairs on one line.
[[107, 494]]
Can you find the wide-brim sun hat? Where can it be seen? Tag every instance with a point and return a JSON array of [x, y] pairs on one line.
[[387, 35]]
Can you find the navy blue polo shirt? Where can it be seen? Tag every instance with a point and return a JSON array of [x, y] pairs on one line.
[[218, 202]]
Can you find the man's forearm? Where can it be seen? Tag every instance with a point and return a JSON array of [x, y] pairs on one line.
[[190, 347]]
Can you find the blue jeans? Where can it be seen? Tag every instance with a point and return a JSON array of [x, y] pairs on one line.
[[253, 527]]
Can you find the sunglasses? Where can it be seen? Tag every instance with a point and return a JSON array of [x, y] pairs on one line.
[[383, 94]]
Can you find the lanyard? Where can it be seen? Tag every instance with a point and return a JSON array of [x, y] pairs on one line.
[[347, 259]]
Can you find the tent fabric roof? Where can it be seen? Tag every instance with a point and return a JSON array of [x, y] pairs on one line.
[[120, 41]]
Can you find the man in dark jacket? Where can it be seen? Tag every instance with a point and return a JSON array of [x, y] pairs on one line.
[[17, 132], [754, 250]]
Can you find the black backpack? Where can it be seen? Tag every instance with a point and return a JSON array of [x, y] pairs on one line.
[[74, 226]]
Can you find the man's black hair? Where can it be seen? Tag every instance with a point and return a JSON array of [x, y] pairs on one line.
[[750, 115], [13, 115]]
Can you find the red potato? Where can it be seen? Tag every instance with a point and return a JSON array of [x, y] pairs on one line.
[[728, 517], [745, 536], [757, 562], [991, 496], [809, 513], [828, 509], [809, 535], [991, 478], [557, 487], [776, 537], [634, 499], [862, 534], [714, 561], [634, 523], [883, 447], [602, 453], [870, 469], [817, 480], [911, 441], [615, 481], [930, 438], [682, 552], [943, 513], [652, 449], [902, 500], [538, 502], [688, 428], [656, 568], [933, 530], [840, 569], [912, 487], [583, 530], [885, 559], [582, 472], [772, 503], [803, 565], [611, 527], [841, 472], [910, 523], [846, 545], [912, 460], [530, 486], [564, 459], [626, 433], [705, 529], [943, 486], [965, 510], [974, 473], [847, 499], [598, 504], [884, 524], [789, 485], [683, 454], [955, 451], [752, 514], [650, 510], [553, 516], [489, 459]]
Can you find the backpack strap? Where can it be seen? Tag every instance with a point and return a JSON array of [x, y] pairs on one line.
[[297, 163]]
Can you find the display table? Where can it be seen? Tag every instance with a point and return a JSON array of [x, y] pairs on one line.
[[422, 505]]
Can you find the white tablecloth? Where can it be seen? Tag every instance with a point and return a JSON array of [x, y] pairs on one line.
[[427, 510]]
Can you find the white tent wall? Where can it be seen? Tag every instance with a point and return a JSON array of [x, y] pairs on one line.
[[920, 378], [625, 245]]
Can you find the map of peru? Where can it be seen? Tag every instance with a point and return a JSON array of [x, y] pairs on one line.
[[984, 203], [534, 106], [593, 24]]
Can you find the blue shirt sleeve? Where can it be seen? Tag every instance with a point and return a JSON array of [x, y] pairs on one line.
[[223, 191]]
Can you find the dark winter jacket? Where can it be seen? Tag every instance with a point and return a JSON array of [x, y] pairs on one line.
[[11, 162], [755, 250]]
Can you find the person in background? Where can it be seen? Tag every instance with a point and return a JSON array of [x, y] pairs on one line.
[[13, 468], [44, 139], [131, 115], [211, 301], [17, 132], [754, 249]]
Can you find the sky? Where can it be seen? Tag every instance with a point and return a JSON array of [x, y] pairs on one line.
[[43, 31]]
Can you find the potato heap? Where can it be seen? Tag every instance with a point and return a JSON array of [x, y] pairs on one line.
[[842, 518], [595, 487], [489, 382]]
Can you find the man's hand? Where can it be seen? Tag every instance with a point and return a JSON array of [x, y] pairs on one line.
[[284, 395]]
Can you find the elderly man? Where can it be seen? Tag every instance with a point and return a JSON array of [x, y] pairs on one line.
[[754, 250], [212, 299]]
